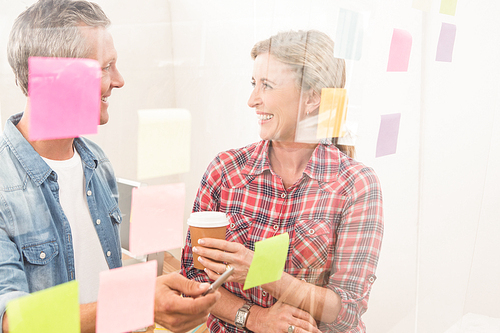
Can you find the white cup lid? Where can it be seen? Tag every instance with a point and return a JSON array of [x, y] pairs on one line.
[[208, 219]]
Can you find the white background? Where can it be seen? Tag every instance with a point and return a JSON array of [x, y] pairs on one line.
[[440, 256]]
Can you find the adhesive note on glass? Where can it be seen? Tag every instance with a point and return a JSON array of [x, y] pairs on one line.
[[65, 97], [424, 5], [446, 42], [164, 141], [388, 134], [268, 261], [399, 54], [50, 310], [332, 113], [448, 7], [349, 36], [156, 218], [126, 298]]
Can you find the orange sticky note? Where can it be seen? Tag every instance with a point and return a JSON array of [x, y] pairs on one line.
[[332, 113]]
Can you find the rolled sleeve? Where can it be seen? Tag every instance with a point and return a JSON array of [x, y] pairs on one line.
[[359, 239]]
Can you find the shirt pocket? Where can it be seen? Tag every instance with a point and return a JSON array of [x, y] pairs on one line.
[[40, 265], [238, 229], [41, 254], [311, 245]]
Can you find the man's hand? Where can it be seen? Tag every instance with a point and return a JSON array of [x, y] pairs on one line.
[[178, 313]]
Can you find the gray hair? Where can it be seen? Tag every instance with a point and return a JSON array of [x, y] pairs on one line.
[[310, 54], [51, 28]]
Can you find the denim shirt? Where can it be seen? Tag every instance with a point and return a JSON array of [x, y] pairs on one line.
[[36, 248]]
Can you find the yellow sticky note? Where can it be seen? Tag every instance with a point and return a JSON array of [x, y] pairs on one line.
[[424, 5], [164, 141], [448, 7], [51, 310], [268, 261], [332, 113]]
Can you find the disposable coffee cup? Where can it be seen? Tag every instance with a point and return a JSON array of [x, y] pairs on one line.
[[206, 225]]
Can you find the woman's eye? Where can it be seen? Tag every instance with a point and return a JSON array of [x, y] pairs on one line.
[[106, 69], [253, 84], [267, 86]]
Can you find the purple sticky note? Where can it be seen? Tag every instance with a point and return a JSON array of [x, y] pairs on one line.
[[399, 54], [65, 97], [388, 134], [446, 42], [126, 298], [156, 218]]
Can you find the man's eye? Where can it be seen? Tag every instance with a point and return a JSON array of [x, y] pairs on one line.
[[105, 69]]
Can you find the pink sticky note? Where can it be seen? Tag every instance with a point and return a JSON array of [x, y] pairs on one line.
[[446, 42], [65, 97], [126, 298], [388, 134], [399, 54], [156, 218]]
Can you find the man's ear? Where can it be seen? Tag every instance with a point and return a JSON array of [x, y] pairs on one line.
[[313, 100]]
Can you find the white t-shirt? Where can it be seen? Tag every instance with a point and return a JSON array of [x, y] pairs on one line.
[[89, 256]]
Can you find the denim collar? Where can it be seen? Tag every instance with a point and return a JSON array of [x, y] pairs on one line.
[[30, 160]]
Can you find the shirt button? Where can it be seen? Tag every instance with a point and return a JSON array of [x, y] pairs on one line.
[[98, 222], [275, 227], [371, 279], [89, 193], [232, 225], [108, 253], [42, 255], [264, 293], [283, 195], [311, 231]]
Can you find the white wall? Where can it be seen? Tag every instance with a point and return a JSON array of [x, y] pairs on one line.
[[440, 252]]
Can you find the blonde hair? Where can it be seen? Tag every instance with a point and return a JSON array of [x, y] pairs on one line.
[[51, 28], [310, 55]]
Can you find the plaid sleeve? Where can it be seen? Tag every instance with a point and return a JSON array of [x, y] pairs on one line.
[[207, 199], [359, 238]]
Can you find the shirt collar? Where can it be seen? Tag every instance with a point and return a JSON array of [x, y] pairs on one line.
[[30, 160], [322, 166]]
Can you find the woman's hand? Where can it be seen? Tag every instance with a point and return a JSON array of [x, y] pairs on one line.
[[212, 250], [278, 318]]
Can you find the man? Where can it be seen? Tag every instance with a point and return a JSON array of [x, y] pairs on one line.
[[58, 198]]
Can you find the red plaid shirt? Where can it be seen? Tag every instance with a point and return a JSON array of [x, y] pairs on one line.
[[333, 215]]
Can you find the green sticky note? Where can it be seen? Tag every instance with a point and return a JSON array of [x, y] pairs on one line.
[[268, 261], [51, 310], [448, 7]]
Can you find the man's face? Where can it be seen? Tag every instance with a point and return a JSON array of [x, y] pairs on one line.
[[104, 52]]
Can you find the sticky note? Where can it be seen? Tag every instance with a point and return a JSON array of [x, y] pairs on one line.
[[349, 36], [50, 310], [424, 5], [156, 218], [268, 261], [448, 7], [332, 113], [65, 97], [388, 134], [446, 42], [399, 54], [164, 141], [126, 298]]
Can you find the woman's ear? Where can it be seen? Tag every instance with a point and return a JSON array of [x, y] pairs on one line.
[[313, 100]]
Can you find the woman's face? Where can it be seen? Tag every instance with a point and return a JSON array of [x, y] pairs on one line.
[[276, 99]]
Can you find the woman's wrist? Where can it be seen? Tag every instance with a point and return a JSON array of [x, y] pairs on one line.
[[254, 316]]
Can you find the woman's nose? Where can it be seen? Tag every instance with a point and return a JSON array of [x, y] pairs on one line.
[[254, 99]]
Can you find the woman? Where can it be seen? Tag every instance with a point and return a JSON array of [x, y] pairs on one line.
[[330, 205]]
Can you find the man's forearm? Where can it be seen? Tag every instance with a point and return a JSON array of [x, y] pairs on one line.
[[5, 324], [87, 317]]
